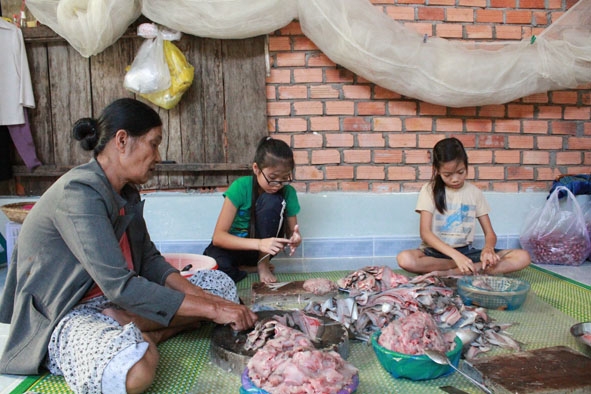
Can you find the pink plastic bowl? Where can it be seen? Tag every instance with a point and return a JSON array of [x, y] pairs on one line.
[[198, 262]]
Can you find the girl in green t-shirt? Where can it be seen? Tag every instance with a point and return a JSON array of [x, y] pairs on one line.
[[258, 218]]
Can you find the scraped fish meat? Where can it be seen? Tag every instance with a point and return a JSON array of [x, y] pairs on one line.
[[289, 363], [413, 334]]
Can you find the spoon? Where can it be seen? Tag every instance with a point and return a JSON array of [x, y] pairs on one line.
[[441, 358]]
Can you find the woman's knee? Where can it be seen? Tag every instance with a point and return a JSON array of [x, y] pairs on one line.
[[142, 374]]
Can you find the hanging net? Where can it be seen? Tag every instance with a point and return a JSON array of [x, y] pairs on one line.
[[360, 37], [222, 18], [90, 26]]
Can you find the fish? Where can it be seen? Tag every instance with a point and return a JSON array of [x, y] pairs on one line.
[[502, 340], [370, 308]]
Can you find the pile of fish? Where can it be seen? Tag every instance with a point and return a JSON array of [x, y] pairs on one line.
[[377, 296], [289, 363]]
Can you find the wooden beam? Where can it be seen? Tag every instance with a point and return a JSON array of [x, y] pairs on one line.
[[50, 170]]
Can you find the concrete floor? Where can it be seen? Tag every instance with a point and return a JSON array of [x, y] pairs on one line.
[[8, 383]]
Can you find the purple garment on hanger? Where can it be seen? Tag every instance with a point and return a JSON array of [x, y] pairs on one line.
[[23, 141]]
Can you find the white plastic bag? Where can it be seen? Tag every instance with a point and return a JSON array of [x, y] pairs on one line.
[[556, 233], [181, 78], [149, 71]]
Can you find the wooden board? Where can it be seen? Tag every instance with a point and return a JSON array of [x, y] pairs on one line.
[[291, 293], [556, 369], [219, 120]]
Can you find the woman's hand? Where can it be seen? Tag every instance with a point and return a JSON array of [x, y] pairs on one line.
[[295, 240], [239, 317]]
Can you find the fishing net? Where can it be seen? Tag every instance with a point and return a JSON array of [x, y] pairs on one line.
[[360, 37], [90, 26], [222, 18]]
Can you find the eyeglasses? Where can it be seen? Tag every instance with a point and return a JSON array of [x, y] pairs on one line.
[[276, 183]]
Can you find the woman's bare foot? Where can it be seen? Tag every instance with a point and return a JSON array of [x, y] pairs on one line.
[[266, 273], [124, 317]]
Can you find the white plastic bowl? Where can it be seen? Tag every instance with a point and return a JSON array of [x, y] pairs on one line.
[[198, 262]]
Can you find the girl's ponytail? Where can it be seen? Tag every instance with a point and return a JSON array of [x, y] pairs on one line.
[[439, 193], [446, 150]]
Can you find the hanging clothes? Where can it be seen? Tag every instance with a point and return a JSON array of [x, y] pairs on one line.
[[23, 141], [15, 78], [17, 92], [5, 143]]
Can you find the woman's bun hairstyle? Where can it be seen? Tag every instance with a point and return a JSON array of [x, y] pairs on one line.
[[85, 131]]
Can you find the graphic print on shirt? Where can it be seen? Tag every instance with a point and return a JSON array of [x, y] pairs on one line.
[[244, 217], [454, 226]]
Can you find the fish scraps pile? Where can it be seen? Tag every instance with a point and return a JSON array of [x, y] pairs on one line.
[[377, 296]]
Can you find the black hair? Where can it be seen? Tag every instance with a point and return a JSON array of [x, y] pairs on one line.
[[446, 150], [270, 153], [127, 114]]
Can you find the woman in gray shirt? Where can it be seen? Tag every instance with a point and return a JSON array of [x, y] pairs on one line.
[[87, 294]]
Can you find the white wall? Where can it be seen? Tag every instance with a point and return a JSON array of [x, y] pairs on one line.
[[192, 216], [186, 216]]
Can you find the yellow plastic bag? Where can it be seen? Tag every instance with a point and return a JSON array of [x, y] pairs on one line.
[[181, 78]]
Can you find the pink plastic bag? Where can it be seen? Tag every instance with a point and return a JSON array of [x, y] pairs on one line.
[[557, 233]]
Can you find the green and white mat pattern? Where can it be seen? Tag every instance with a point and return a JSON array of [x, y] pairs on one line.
[[552, 307]]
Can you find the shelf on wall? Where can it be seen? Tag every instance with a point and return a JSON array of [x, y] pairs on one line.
[[56, 171]]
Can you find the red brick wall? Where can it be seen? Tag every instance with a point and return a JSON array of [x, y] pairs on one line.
[[349, 134]]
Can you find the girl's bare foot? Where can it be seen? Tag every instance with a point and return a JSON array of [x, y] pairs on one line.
[[266, 273]]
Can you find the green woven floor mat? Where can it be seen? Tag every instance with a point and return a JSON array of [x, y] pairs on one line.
[[544, 320], [564, 294]]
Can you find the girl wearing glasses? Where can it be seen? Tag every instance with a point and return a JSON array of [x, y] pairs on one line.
[[258, 218]]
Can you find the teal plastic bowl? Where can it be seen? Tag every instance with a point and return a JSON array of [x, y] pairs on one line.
[[493, 292], [414, 367]]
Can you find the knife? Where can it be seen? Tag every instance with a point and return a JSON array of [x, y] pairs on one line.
[[452, 390]]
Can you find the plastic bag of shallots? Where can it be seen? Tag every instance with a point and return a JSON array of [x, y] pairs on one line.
[[587, 218], [557, 232]]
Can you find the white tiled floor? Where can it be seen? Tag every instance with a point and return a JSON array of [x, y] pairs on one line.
[[580, 274]]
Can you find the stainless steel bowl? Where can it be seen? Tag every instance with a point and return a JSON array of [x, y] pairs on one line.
[[582, 332]]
